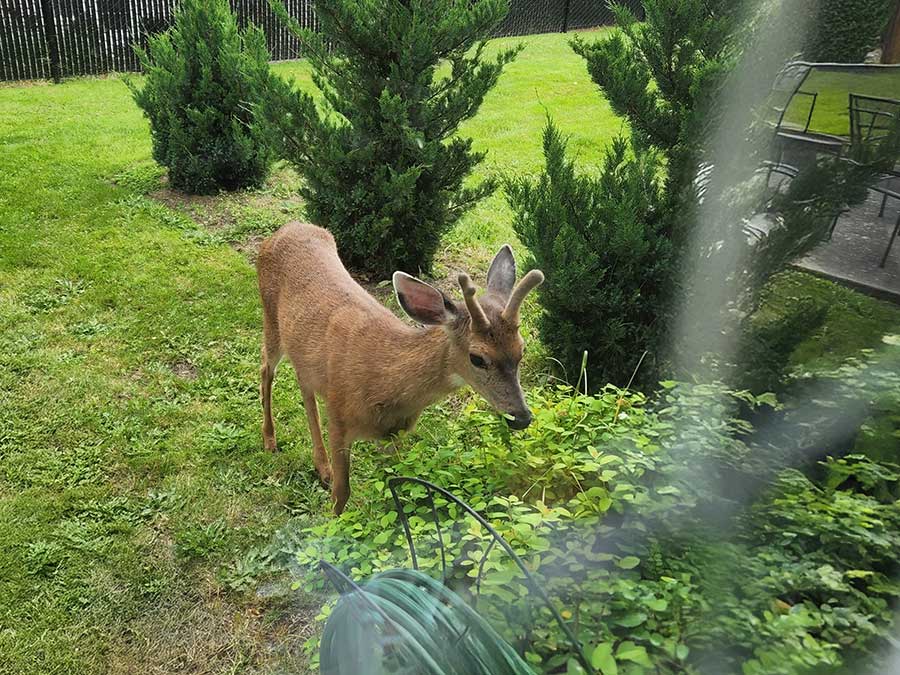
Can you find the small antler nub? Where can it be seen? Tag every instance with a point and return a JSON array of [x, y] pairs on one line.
[[530, 281], [479, 320]]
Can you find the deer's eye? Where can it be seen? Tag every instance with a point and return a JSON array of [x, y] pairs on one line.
[[477, 361]]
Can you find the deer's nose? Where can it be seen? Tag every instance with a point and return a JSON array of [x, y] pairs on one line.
[[519, 420]]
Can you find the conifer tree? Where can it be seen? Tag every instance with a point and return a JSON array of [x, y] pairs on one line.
[[198, 96], [692, 81], [383, 169]]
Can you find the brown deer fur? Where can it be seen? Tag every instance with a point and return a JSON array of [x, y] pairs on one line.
[[376, 373]]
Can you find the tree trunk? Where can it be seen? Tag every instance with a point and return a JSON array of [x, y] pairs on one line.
[[891, 50]]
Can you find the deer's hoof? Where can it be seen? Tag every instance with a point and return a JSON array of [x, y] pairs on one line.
[[325, 477], [339, 506], [270, 445]]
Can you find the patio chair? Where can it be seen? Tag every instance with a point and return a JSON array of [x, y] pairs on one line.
[[872, 118], [891, 242], [785, 88], [790, 131], [787, 173]]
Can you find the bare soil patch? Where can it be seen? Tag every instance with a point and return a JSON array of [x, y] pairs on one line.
[[185, 369], [242, 218], [245, 218]]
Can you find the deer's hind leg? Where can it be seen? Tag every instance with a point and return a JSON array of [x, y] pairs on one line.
[[271, 355], [320, 457]]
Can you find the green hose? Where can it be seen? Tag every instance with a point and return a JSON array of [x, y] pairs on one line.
[[404, 622]]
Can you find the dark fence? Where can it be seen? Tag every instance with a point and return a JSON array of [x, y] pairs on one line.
[[42, 39]]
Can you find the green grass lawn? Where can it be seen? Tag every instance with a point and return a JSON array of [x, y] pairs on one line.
[[137, 508], [831, 112]]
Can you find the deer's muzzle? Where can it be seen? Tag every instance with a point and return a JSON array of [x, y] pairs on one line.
[[520, 420]]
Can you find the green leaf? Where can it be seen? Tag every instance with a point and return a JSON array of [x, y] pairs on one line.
[[768, 399], [682, 651], [628, 651], [603, 659], [573, 667], [632, 620], [658, 604], [629, 562]]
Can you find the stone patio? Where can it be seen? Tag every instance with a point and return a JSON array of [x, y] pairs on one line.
[[853, 255]]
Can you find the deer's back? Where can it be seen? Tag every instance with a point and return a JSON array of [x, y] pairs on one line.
[[310, 299]]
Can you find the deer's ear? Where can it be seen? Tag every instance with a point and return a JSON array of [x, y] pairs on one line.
[[501, 276], [422, 302]]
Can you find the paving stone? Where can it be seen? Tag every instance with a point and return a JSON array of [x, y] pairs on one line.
[[853, 255]]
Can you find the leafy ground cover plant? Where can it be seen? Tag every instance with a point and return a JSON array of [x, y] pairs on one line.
[[622, 508]]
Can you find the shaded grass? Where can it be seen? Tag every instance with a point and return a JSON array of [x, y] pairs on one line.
[[854, 321]]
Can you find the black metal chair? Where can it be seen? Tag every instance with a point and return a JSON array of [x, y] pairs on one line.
[[787, 133], [787, 174], [785, 88], [792, 138], [872, 119]]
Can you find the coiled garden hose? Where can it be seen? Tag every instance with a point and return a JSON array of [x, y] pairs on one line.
[[403, 622]]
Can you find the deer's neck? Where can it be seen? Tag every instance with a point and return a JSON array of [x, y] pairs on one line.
[[421, 374]]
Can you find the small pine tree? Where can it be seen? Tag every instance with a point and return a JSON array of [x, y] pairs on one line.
[[662, 75], [610, 289], [198, 97], [607, 260], [383, 170]]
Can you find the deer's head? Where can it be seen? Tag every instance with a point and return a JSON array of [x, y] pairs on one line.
[[485, 344]]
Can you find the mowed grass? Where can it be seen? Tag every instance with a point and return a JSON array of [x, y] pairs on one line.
[[831, 112], [142, 524]]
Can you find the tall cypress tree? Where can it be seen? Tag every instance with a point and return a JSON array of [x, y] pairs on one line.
[[383, 169]]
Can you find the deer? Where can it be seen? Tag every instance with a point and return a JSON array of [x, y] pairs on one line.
[[374, 371]]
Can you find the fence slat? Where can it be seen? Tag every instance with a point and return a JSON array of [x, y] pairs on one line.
[[8, 43], [18, 31], [27, 37]]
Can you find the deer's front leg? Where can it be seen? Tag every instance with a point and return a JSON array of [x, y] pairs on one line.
[[339, 442], [266, 375]]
